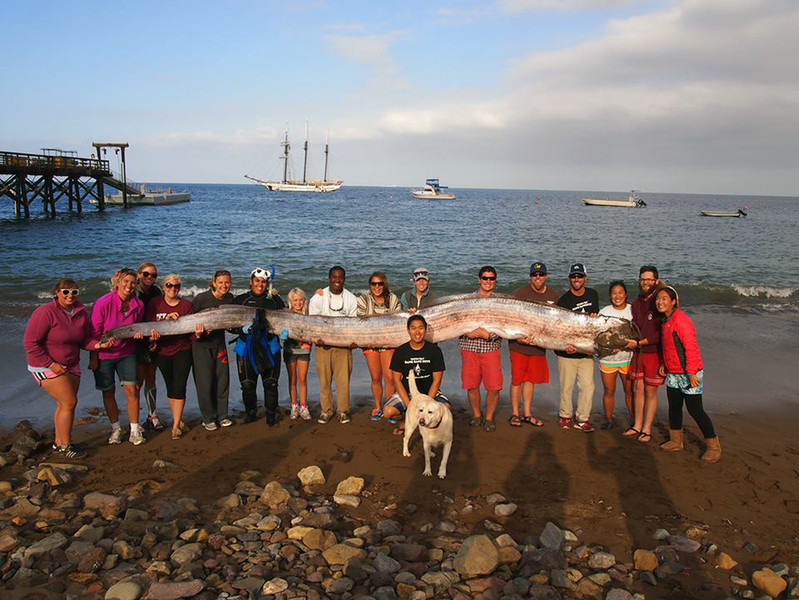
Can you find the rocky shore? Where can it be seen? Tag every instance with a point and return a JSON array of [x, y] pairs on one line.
[[310, 536]]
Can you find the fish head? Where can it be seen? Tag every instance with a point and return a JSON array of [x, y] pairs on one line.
[[609, 341]]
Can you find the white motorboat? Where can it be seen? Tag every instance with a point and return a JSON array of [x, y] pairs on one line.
[[147, 197], [721, 213], [304, 185], [633, 201], [433, 191]]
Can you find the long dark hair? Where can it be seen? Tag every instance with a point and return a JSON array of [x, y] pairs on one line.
[[386, 289]]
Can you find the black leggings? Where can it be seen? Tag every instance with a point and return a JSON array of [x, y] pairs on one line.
[[175, 371], [694, 404]]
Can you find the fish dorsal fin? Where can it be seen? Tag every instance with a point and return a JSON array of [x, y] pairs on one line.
[[412, 383]]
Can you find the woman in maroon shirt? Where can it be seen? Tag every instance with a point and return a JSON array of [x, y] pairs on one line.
[[173, 352], [54, 337]]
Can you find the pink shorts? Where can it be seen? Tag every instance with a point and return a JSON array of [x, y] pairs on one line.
[[477, 367], [525, 368], [45, 375], [646, 366]]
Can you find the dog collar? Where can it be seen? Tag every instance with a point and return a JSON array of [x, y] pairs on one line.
[[428, 427]]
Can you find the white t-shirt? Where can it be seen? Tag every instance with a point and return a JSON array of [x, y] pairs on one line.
[[625, 356], [333, 305]]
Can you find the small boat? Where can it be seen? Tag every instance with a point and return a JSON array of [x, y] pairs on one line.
[[305, 185], [721, 213], [147, 197], [433, 191], [632, 202]]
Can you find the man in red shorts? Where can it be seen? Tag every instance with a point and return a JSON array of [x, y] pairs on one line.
[[644, 370], [529, 363], [480, 361]]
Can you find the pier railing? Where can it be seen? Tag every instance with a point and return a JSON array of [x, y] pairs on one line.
[[20, 160]]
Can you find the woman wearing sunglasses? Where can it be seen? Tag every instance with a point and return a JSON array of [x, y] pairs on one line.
[[173, 352], [379, 300], [54, 336], [146, 290]]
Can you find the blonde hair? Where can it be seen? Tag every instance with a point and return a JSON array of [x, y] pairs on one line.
[[170, 277], [299, 292]]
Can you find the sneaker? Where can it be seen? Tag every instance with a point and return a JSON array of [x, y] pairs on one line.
[[305, 413], [225, 422], [324, 418], [210, 426], [71, 451], [565, 422], [136, 437], [344, 417], [271, 418], [116, 436], [377, 414], [583, 426], [295, 411], [154, 423]]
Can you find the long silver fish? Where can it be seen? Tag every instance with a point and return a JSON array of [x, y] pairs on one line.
[[544, 325]]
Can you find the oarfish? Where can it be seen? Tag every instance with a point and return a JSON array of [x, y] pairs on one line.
[[543, 325]]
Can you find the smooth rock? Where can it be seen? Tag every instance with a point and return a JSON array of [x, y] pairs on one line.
[[495, 498], [127, 590], [551, 537], [618, 594], [684, 544], [389, 527], [478, 555], [319, 539], [645, 560], [311, 476], [298, 532], [107, 505], [385, 564], [351, 486], [275, 495], [725, 562], [173, 591], [341, 554], [662, 534], [602, 561], [186, 554], [347, 500], [275, 586], [601, 579], [45, 545], [768, 582], [8, 542], [505, 510]]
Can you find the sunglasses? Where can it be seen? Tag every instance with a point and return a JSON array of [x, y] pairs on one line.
[[172, 285], [377, 283], [484, 278], [576, 276], [538, 274], [149, 275], [68, 292]]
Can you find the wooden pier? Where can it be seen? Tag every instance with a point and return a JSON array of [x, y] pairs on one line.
[[26, 178]]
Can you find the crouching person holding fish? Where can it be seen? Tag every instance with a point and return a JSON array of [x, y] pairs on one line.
[[257, 351]]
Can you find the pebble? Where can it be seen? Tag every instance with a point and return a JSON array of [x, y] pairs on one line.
[[645, 560], [505, 510], [551, 537], [351, 486], [127, 590], [725, 562], [602, 560], [684, 544], [478, 555], [311, 476], [768, 582]]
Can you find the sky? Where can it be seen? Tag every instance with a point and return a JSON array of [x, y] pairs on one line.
[[686, 96]]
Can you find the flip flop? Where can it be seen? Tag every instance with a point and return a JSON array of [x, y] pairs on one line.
[[398, 431], [490, 425], [631, 432], [644, 437], [515, 421], [531, 420]]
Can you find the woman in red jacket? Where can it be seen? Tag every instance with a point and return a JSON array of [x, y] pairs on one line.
[[682, 366], [54, 337]]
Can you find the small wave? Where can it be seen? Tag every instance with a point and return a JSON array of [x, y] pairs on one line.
[[765, 291]]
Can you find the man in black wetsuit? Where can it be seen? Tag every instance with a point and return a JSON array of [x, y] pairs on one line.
[[259, 297]]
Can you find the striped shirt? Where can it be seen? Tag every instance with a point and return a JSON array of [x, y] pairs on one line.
[[479, 345]]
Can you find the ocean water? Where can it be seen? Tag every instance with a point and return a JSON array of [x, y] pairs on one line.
[[738, 265]]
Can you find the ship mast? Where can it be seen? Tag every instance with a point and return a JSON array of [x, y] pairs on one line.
[[285, 157], [305, 159], [327, 137]]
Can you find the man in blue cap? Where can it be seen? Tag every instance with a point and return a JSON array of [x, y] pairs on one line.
[[573, 365], [529, 363]]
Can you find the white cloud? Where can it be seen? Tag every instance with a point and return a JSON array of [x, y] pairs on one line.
[[239, 137], [516, 6], [369, 49]]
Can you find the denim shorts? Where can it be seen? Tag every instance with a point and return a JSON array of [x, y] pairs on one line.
[[124, 367]]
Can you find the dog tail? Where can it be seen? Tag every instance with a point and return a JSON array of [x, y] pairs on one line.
[[412, 383]]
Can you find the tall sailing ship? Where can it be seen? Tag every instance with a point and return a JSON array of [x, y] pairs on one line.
[[304, 185]]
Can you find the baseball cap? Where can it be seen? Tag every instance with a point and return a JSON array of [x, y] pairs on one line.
[[578, 269], [260, 273], [421, 273], [538, 267]]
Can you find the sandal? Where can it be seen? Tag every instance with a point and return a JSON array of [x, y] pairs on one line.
[[490, 425], [644, 437], [515, 421], [531, 420], [394, 420], [377, 414], [476, 422], [399, 431], [176, 434], [632, 431]]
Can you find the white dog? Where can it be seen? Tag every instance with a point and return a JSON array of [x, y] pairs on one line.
[[434, 420]]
